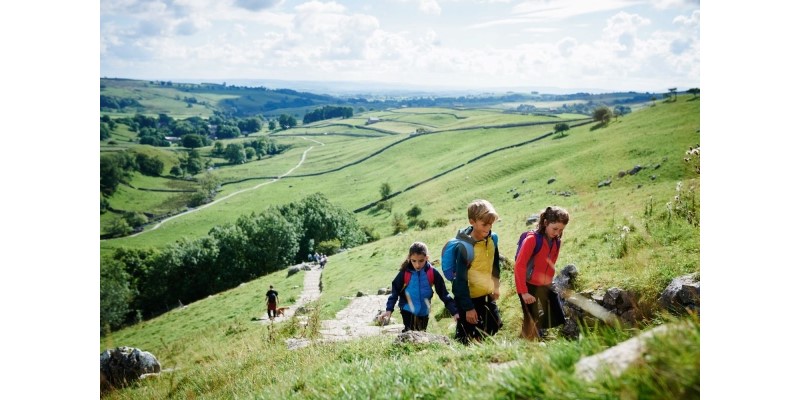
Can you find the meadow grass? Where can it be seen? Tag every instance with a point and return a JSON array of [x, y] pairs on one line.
[[620, 235]]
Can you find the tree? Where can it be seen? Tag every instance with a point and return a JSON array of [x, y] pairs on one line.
[[209, 184], [694, 91], [250, 153], [287, 121], [673, 93], [602, 114], [386, 190], [561, 128], [234, 153], [271, 125], [115, 168], [150, 166], [135, 219], [193, 141], [119, 228], [219, 149], [115, 295], [228, 131], [176, 171]]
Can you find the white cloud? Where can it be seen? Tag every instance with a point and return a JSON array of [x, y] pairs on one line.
[[692, 21], [562, 9], [430, 7]]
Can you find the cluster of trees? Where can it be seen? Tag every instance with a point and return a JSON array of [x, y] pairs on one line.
[[117, 103], [193, 131], [238, 153], [107, 125], [287, 121], [143, 283], [328, 112], [118, 167]]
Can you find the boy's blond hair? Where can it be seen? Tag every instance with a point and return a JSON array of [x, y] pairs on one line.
[[482, 210]]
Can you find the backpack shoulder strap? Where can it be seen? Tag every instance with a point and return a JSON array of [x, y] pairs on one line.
[[406, 278], [430, 275], [536, 248], [469, 251]]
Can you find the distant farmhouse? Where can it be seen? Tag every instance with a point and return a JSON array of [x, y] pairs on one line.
[[372, 120]]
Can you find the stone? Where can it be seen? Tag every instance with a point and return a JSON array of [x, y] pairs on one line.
[[418, 337], [682, 294], [123, 365], [617, 359], [551, 180]]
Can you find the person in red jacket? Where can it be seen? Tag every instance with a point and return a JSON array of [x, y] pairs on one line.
[[534, 269]]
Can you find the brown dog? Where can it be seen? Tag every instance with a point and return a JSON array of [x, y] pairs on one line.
[[279, 311]]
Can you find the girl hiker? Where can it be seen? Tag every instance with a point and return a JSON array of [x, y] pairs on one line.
[[414, 286], [533, 273]]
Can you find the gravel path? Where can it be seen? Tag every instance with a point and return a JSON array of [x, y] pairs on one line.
[[355, 321]]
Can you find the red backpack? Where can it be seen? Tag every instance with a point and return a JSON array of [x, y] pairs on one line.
[[407, 277]]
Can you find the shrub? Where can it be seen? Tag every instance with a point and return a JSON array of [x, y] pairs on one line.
[[439, 222], [422, 224], [329, 246], [384, 205], [399, 224], [414, 212]]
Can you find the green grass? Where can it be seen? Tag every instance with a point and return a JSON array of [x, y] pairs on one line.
[[217, 351]]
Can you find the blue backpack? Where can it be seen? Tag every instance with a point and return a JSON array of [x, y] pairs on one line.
[[536, 248], [450, 253]]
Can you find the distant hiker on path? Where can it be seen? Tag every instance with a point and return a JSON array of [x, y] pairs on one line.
[[414, 286], [477, 283], [534, 269], [272, 302]]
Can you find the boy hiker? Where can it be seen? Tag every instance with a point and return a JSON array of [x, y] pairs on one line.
[[477, 283], [272, 302]]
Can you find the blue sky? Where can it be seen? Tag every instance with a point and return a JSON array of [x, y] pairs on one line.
[[643, 45]]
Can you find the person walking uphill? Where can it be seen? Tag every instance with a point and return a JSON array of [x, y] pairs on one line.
[[414, 286], [477, 283], [534, 268], [272, 303]]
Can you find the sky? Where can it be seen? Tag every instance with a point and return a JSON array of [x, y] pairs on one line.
[[594, 45]]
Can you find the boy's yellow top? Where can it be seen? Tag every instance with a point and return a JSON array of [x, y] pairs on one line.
[[479, 274]]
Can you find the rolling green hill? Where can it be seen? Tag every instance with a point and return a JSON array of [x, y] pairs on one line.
[[636, 233]]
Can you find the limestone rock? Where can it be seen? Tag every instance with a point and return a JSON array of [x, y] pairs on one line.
[[123, 365]]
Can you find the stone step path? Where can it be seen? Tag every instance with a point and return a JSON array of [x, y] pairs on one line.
[[310, 292], [355, 321]]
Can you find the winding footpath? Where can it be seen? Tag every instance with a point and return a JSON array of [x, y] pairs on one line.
[[302, 159], [355, 321]]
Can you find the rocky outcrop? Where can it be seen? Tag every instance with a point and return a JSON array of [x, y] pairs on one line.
[[123, 365], [682, 295], [417, 337]]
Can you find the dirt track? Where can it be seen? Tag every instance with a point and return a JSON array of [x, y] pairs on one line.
[[355, 321]]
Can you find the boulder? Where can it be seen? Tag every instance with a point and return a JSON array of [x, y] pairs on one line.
[[566, 278], [293, 270], [682, 294], [418, 337], [123, 365]]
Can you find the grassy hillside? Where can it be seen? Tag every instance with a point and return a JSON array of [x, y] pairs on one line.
[[631, 234]]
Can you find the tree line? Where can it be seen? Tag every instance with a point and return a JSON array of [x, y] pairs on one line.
[[327, 112], [138, 284]]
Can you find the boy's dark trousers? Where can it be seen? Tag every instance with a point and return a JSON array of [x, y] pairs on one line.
[[489, 321]]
